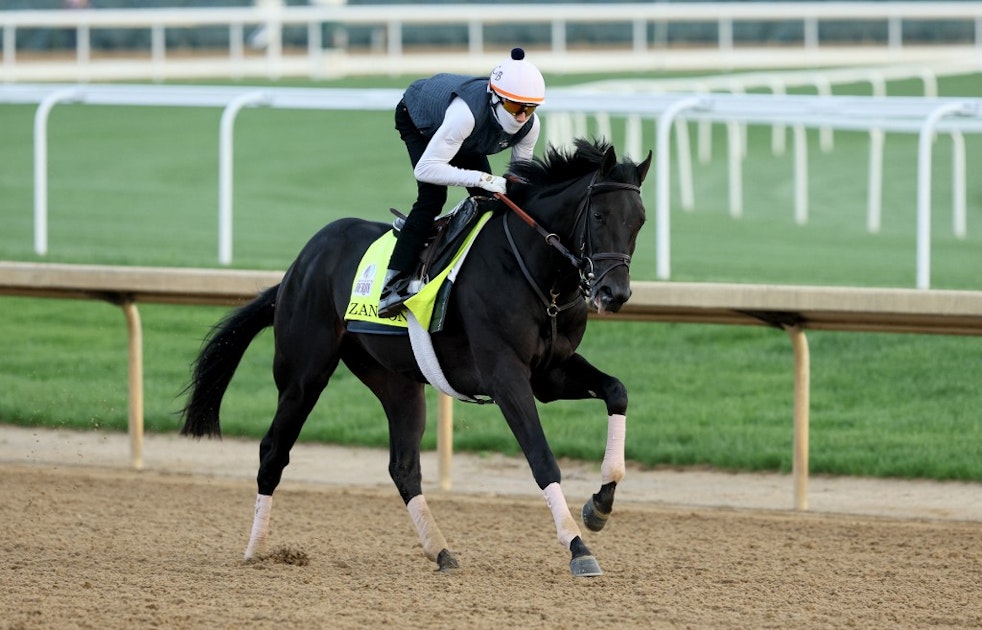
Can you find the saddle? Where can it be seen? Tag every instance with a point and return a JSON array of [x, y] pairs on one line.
[[448, 233], [445, 250]]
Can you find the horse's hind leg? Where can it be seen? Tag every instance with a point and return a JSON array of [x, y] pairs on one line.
[[405, 407], [302, 367]]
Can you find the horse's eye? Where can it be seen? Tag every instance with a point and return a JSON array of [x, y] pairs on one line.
[[598, 215]]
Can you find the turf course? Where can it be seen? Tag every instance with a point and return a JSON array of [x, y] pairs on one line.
[[138, 186]]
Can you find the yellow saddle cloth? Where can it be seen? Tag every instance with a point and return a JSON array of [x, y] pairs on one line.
[[427, 305]]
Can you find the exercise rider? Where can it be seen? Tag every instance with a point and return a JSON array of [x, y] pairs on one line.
[[451, 123]]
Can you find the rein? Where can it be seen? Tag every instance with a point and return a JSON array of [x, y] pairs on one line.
[[550, 237]]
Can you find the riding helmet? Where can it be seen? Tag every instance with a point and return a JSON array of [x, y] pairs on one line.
[[518, 80]]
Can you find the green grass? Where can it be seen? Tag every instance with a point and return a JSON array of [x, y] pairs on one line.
[[139, 186]]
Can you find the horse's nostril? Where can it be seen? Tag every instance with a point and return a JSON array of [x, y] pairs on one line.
[[619, 296]]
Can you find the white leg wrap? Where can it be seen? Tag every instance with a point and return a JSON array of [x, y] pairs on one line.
[[612, 468], [260, 527], [429, 534], [566, 529]]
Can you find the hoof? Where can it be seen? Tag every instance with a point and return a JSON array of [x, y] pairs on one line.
[[585, 566], [583, 563], [593, 518], [446, 561]]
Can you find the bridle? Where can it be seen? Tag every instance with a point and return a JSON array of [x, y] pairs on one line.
[[584, 263], [588, 256]]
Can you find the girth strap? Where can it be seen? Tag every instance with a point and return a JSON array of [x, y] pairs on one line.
[[429, 365]]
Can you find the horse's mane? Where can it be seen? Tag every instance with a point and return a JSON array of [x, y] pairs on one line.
[[562, 164]]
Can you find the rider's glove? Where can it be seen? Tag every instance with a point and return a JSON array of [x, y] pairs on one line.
[[492, 183]]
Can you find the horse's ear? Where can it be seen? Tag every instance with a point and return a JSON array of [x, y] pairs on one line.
[[643, 167], [609, 162]]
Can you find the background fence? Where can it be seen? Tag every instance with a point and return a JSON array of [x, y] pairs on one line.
[[877, 115], [332, 41]]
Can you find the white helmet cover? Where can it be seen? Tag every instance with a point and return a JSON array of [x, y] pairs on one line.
[[518, 80]]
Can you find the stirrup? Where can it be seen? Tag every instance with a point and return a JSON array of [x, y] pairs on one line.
[[394, 296]]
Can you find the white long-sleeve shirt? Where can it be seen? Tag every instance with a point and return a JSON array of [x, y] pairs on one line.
[[434, 165]]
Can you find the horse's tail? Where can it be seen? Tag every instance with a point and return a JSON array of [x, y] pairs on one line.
[[219, 357]]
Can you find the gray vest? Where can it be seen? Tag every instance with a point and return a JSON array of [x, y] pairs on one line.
[[427, 101]]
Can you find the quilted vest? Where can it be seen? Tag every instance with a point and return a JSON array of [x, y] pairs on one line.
[[427, 101]]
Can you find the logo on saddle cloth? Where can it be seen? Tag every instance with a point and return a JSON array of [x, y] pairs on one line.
[[428, 305]]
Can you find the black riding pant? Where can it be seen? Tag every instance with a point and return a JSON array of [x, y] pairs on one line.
[[430, 198]]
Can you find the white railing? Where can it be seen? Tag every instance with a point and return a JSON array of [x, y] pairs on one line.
[[878, 115], [777, 82], [567, 125], [230, 99], [922, 116], [646, 51]]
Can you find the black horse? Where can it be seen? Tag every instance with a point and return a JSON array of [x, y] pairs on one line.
[[517, 313]]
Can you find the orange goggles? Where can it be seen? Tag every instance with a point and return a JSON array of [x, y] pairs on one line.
[[515, 108]]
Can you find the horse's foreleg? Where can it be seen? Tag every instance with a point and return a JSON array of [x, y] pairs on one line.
[[544, 469], [577, 379], [523, 419], [582, 563], [597, 509]]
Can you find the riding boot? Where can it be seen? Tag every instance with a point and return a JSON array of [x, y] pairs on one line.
[[399, 286]]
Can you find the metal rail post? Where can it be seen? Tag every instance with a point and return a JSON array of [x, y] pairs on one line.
[[802, 387], [41, 164], [225, 157], [663, 132], [925, 141]]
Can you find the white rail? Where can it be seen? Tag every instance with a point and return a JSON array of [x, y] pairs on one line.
[[645, 53], [923, 116], [779, 82]]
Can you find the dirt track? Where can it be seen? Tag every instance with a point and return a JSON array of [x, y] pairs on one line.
[[90, 545]]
